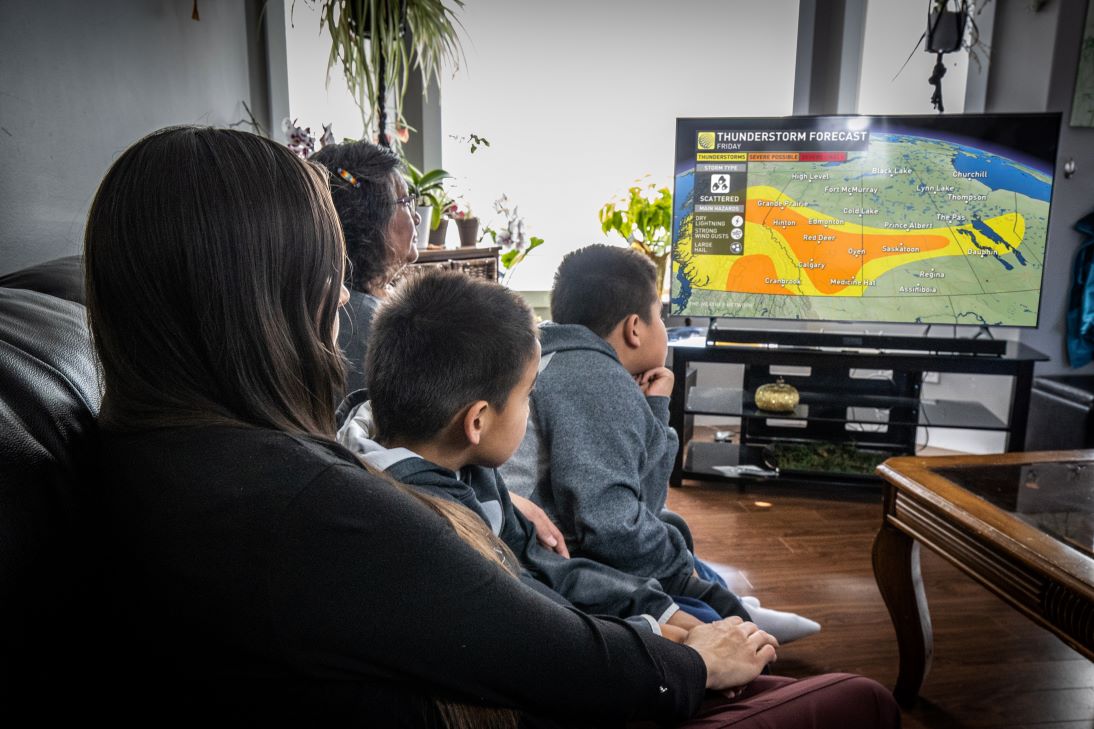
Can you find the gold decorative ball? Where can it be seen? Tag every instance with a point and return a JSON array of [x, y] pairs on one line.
[[777, 397]]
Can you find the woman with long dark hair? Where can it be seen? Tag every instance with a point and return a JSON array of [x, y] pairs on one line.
[[379, 222], [257, 570]]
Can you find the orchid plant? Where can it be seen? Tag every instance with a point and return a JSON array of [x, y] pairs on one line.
[[511, 236]]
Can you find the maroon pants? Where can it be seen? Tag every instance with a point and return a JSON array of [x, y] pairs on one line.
[[829, 701]]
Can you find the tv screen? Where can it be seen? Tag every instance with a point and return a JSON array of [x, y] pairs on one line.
[[910, 219]]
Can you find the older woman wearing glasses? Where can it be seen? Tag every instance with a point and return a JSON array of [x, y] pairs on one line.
[[379, 222]]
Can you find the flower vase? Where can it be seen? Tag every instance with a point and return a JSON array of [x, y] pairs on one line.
[[437, 235], [469, 231], [425, 214]]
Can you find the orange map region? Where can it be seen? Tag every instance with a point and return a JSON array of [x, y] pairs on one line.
[[843, 258], [752, 270]]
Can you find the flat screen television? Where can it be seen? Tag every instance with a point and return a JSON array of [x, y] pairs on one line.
[[896, 219]]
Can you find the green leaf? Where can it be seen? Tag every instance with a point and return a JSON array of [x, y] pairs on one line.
[[508, 257], [365, 31], [645, 224], [433, 177]]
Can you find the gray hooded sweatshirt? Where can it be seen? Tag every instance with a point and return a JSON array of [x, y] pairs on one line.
[[597, 459], [592, 587]]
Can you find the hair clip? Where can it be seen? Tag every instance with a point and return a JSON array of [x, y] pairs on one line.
[[348, 177]]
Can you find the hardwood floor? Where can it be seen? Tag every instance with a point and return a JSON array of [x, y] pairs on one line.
[[809, 552]]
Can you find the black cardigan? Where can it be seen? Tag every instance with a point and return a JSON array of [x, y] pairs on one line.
[[281, 574]]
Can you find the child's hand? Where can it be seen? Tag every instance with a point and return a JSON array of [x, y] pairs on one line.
[[671, 632], [547, 533], [657, 382]]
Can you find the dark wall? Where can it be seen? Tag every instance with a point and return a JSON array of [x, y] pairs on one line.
[[80, 81]]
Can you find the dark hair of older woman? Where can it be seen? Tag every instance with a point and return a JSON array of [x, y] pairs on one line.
[[379, 222]]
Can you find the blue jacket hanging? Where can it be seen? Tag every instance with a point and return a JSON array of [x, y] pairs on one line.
[[1080, 308]]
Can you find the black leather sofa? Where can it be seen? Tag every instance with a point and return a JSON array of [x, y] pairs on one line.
[[49, 396], [1061, 413]]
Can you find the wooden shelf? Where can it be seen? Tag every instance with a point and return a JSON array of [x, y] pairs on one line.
[[440, 255], [476, 261]]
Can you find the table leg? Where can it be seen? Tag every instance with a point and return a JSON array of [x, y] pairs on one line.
[[1018, 419], [896, 569]]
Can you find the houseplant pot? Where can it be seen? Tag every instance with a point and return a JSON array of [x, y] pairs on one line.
[[469, 231], [945, 31], [428, 189], [425, 213], [437, 235], [661, 262]]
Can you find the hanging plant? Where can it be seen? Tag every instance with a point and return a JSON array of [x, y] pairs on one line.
[[951, 26], [379, 43]]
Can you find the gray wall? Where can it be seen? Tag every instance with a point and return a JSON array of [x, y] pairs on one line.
[[1034, 61], [80, 81]]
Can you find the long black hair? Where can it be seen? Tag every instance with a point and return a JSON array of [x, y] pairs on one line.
[[213, 262]]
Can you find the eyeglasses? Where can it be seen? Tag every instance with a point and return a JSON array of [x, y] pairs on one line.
[[409, 201]]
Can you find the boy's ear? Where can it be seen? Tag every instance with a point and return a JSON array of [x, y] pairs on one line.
[[474, 421], [631, 336]]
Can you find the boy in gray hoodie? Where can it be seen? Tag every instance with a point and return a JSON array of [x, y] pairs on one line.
[[453, 361], [598, 449]]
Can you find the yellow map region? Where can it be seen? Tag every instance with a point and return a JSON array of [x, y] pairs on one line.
[[796, 251]]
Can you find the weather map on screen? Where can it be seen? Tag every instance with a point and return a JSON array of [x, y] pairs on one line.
[[882, 219]]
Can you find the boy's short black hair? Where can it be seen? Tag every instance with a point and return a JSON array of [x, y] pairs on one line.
[[442, 341], [599, 286]]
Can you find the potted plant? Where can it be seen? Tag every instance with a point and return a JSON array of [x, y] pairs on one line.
[[951, 26], [466, 223], [379, 42], [460, 209], [428, 188], [512, 239], [643, 217]]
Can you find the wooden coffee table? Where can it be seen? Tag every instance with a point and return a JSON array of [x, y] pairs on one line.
[[1021, 524]]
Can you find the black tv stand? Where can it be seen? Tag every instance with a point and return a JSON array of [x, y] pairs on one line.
[[983, 331], [856, 389], [717, 336]]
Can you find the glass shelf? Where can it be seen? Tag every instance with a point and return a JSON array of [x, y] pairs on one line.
[[848, 408], [700, 459]]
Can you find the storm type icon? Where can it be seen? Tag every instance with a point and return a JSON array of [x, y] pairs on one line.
[[719, 183]]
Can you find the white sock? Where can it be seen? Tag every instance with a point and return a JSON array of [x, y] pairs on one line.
[[785, 627]]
